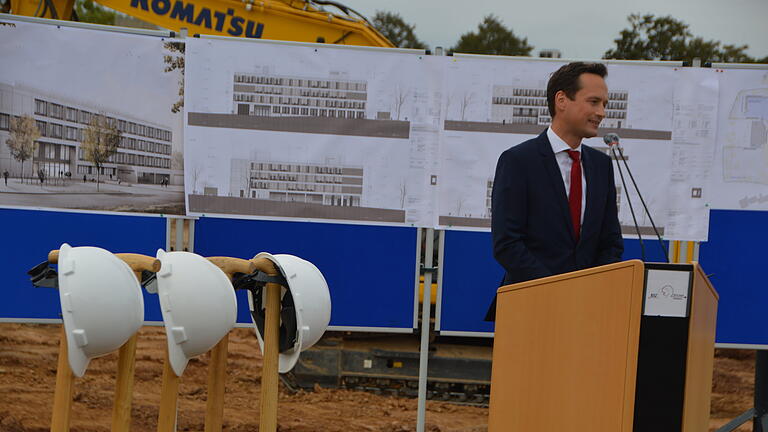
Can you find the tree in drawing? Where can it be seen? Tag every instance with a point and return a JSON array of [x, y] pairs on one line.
[[400, 97], [23, 140], [459, 205], [195, 174], [100, 141], [403, 193], [466, 101]]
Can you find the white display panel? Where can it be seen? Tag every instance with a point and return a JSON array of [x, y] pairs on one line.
[[285, 131]]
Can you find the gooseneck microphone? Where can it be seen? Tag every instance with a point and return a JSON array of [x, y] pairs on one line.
[[611, 139], [613, 142]]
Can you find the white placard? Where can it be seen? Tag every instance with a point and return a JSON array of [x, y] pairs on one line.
[[667, 293], [693, 149]]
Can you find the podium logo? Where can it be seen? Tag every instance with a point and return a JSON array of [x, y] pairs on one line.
[[668, 292]]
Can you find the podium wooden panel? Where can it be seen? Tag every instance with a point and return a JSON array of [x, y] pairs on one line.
[[700, 359], [566, 353]]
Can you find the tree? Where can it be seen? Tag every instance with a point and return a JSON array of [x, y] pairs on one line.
[[711, 51], [176, 62], [394, 28], [100, 140], [665, 38], [23, 139], [88, 11], [492, 38]]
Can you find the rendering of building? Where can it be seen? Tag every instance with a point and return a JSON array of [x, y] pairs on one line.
[[324, 184], [488, 197], [516, 105], [143, 155], [275, 96]]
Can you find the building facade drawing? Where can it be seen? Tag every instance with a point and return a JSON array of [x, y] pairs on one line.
[[275, 96], [745, 159], [325, 184], [143, 155], [518, 105]]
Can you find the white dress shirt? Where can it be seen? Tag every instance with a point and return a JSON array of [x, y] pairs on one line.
[[560, 148]]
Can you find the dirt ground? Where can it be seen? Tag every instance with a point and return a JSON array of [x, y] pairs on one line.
[[28, 356]]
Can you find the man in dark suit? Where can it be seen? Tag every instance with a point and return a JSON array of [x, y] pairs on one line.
[[554, 199]]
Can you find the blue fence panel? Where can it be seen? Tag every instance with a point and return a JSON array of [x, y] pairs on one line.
[[370, 270], [30, 234], [735, 259], [653, 251], [467, 295]]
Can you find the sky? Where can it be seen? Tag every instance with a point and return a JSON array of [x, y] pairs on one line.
[[579, 29]]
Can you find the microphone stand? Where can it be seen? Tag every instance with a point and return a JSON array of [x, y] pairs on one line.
[[645, 207], [629, 201]]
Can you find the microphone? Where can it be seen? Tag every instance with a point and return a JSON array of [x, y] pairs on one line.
[[613, 142], [611, 139]]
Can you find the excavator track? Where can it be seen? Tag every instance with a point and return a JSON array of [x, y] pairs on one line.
[[388, 365]]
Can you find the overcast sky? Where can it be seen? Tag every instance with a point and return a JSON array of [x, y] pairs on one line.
[[579, 29]]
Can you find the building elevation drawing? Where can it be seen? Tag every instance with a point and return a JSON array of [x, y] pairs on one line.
[[745, 157], [304, 187], [266, 95], [516, 105], [325, 184]]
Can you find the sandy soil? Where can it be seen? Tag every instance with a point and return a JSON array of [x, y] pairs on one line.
[[28, 356]]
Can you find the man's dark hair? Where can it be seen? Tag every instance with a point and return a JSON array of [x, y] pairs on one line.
[[567, 79]]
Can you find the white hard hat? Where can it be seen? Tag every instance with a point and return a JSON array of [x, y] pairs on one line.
[[101, 303], [308, 294], [198, 305]]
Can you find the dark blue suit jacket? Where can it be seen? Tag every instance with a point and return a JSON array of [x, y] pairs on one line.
[[531, 223]]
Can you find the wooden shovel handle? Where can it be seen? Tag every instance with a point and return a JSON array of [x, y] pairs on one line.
[[53, 256], [137, 262], [265, 265], [230, 265]]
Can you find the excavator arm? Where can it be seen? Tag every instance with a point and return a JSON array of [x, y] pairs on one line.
[[290, 20]]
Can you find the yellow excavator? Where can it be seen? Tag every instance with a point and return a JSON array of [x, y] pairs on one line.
[[290, 20]]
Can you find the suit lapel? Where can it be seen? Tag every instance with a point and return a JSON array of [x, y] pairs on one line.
[[555, 179]]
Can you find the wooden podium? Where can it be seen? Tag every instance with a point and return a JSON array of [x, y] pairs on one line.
[[622, 347]]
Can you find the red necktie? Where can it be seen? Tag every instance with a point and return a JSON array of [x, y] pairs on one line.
[[574, 195]]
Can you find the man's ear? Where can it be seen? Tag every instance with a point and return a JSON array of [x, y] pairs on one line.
[[560, 100]]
